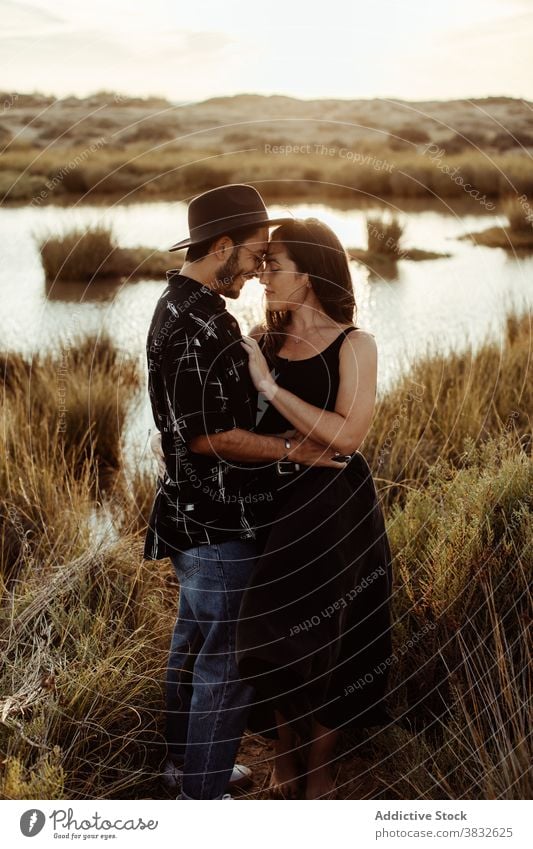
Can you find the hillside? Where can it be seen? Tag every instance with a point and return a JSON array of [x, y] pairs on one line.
[[497, 123]]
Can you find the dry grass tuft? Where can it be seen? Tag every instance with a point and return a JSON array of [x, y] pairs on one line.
[[93, 254]]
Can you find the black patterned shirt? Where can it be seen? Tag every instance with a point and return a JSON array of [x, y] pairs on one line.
[[198, 383]]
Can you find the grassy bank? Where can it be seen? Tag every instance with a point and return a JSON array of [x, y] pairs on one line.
[[444, 401], [85, 623], [167, 170], [463, 554]]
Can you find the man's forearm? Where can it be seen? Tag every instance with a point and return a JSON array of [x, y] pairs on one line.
[[239, 444]]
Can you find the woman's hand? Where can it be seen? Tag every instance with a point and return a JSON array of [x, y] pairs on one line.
[[157, 451], [259, 371]]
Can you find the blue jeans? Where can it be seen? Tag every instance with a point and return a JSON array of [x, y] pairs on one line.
[[207, 703]]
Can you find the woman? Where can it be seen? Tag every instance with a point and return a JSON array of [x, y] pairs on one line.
[[314, 625]]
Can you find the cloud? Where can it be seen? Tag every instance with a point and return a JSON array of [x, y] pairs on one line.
[[63, 61], [23, 19], [345, 48]]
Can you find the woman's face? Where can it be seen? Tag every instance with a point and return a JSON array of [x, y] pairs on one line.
[[285, 287]]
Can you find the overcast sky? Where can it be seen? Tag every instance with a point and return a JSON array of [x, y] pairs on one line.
[[412, 49]]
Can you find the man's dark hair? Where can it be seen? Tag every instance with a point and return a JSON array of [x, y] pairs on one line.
[[237, 236]]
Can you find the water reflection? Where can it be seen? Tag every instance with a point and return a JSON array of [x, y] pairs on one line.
[[379, 268], [406, 304], [72, 291], [411, 307]]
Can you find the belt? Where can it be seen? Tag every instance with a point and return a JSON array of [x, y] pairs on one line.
[[287, 467]]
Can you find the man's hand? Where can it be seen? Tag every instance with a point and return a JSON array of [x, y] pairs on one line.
[[258, 366], [310, 453], [157, 451]]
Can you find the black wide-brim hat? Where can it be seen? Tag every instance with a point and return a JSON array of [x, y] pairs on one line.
[[223, 210]]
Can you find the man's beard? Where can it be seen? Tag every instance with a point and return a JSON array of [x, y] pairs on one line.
[[226, 276]]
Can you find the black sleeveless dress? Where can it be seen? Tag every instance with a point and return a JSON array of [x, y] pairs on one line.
[[314, 630]]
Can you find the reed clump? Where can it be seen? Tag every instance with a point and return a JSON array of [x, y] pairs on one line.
[[84, 255]]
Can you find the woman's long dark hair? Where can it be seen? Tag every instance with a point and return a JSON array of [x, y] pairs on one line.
[[315, 250]]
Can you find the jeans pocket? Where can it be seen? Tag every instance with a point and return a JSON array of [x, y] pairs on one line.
[[186, 563]]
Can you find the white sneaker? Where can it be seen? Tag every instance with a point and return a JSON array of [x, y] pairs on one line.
[[172, 776]]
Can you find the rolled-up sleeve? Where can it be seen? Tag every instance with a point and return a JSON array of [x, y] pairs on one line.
[[194, 384]]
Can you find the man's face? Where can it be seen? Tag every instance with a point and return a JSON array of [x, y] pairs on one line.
[[244, 263]]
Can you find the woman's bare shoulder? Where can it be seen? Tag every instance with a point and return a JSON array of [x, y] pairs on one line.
[[359, 335], [359, 341], [360, 332]]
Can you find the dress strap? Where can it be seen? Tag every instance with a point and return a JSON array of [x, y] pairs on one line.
[[349, 330], [340, 338]]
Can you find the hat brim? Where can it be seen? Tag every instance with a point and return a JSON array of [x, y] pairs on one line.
[[267, 222]]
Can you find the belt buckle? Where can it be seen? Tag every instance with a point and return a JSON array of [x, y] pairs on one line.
[[281, 467]]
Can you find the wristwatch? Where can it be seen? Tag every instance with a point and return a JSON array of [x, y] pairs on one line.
[[286, 466]]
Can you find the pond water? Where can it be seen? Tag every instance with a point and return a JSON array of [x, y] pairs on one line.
[[411, 308]]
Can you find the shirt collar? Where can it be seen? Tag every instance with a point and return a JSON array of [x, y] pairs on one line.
[[216, 301]]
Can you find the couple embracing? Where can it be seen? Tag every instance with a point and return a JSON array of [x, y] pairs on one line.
[[264, 504]]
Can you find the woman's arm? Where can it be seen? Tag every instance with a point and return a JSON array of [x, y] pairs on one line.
[[346, 427]]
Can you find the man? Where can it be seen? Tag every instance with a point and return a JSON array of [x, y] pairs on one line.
[[204, 405]]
